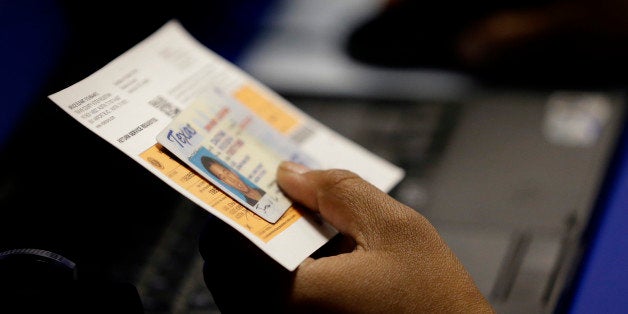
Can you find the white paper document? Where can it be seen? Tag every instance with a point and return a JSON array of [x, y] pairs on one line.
[[216, 135]]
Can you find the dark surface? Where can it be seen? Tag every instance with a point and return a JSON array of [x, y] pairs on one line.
[[424, 34]]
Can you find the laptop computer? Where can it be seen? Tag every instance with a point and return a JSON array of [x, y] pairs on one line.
[[509, 176]]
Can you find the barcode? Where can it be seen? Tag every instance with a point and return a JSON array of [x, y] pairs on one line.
[[164, 106]]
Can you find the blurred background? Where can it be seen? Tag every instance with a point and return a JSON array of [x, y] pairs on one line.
[[504, 117]]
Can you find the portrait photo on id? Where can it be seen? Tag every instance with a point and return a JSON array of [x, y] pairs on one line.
[[231, 180]]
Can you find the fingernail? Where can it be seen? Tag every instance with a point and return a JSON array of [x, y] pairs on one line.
[[293, 167]]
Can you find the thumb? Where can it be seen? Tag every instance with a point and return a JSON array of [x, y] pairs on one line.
[[345, 200]]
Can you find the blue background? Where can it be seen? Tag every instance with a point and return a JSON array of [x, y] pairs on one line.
[[602, 282]]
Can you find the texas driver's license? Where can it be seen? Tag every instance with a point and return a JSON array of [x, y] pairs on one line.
[[226, 143]]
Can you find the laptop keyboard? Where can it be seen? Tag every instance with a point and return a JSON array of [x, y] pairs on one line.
[[171, 281]]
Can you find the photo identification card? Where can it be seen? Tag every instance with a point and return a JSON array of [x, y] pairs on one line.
[[235, 150]]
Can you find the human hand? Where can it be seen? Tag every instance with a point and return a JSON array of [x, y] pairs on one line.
[[398, 264], [386, 258]]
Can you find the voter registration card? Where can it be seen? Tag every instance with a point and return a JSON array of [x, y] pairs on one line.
[[216, 135], [235, 150]]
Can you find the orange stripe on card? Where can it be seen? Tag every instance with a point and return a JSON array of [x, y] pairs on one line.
[[267, 110]]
